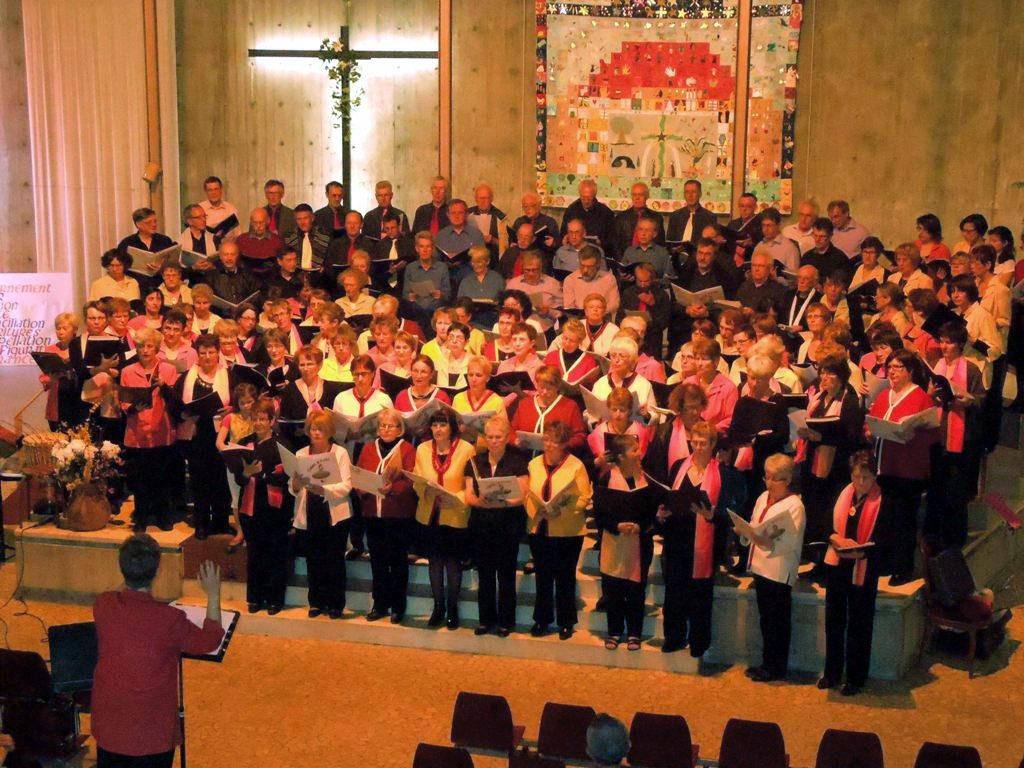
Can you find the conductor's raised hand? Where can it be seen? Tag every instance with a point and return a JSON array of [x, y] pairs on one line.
[[209, 578]]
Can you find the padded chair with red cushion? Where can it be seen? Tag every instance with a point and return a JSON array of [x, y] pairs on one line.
[[563, 731], [932, 755], [849, 749], [434, 756], [752, 744], [661, 741], [484, 722]]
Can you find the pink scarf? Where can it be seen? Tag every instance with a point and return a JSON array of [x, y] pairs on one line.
[[865, 526], [704, 532]]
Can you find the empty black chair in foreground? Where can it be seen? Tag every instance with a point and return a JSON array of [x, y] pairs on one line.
[[484, 722], [563, 731], [434, 756], [849, 749], [932, 755], [752, 744], [661, 741], [531, 760]]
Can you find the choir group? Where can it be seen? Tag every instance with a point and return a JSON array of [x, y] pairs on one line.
[[451, 388]]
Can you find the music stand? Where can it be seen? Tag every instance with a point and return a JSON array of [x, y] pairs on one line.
[[196, 614]]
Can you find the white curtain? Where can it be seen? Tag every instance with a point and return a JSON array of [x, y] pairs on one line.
[[85, 64]]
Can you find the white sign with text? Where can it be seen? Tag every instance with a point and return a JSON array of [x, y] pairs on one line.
[[29, 302]]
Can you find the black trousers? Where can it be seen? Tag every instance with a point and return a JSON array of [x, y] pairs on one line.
[[774, 608], [389, 561], [357, 526], [849, 622], [325, 560], [555, 559], [151, 482], [991, 411], [819, 495], [266, 538], [210, 494], [953, 484], [624, 599], [106, 759], [901, 499], [686, 612], [496, 551]]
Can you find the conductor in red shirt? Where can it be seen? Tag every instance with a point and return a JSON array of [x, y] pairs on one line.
[[135, 688]]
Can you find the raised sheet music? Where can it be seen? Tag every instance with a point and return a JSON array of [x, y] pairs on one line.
[[197, 615], [422, 485], [497, 490]]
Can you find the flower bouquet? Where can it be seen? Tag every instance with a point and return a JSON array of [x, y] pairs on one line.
[[86, 471]]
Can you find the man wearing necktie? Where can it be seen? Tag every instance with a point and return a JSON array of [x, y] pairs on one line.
[[432, 217], [331, 218], [310, 243], [373, 222]]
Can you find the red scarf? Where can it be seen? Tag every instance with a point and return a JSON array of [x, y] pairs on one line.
[[440, 467], [865, 526], [955, 423]]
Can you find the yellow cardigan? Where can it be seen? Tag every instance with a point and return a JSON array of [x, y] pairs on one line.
[[572, 517], [455, 516]]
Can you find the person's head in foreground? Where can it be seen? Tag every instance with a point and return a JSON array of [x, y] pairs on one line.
[[139, 559], [607, 741]]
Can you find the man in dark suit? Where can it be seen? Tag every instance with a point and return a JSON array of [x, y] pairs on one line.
[[373, 221], [597, 218], [490, 220], [331, 218], [351, 240], [398, 249], [282, 218], [760, 291], [625, 222], [687, 224], [432, 217], [703, 271], [545, 229], [287, 278], [229, 280], [309, 242], [824, 256], [794, 305], [648, 295], [748, 226]]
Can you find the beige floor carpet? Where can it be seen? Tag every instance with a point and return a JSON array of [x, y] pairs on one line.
[[299, 703]]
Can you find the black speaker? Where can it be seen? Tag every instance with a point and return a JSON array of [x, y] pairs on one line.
[[73, 654]]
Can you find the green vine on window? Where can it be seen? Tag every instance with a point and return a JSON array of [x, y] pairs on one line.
[[340, 64]]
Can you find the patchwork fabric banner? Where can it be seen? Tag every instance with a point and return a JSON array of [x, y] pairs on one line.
[[644, 90]]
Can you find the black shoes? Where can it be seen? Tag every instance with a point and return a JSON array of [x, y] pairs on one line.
[[503, 631], [335, 613], [453, 621], [824, 683], [354, 554], [396, 618], [850, 689], [672, 647], [899, 579], [762, 675], [273, 610], [538, 630], [314, 612], [565, 633], [200, 534], [483, 629], [376, 614], [166, 526], [436, 617], [254, 607]]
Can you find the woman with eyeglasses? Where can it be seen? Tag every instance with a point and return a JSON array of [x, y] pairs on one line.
[[497, 524], [443, 522], [852, 578], [560, 491], [389, 517], [423, 389], [688, 546], [824, 455], [778, 521], [306, 394], [903, 467], [323, 512]]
